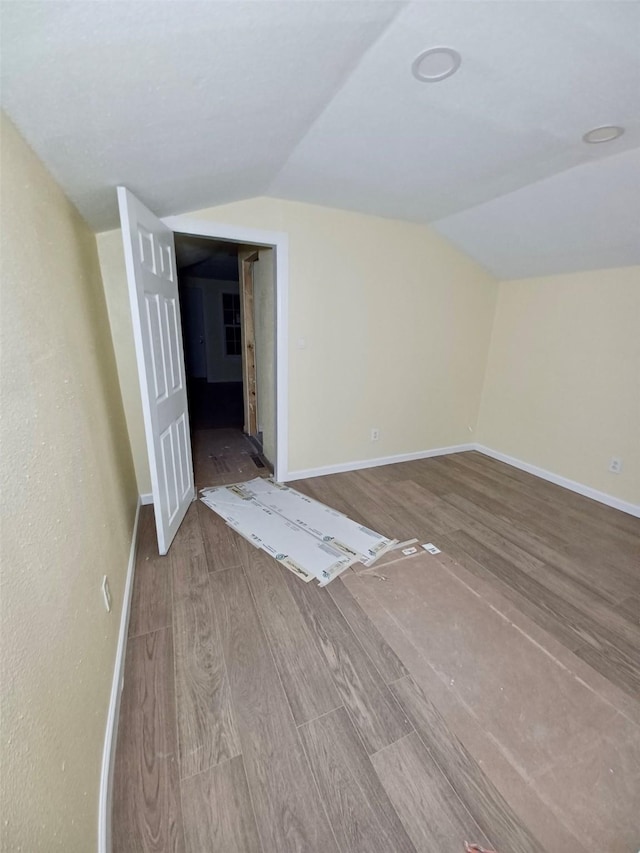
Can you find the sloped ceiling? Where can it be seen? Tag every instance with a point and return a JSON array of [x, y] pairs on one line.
[[192, 104]]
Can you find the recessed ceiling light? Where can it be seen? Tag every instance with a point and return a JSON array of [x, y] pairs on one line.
[[606, 133], [436, 64]]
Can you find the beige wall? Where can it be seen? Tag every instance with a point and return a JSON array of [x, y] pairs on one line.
[[396, 323], [114, 277], [68, 502], [264, 309], [562, 389]]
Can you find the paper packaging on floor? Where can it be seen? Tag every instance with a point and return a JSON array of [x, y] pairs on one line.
[[284, 560], [307, 537], [321, 521], [285, 541]]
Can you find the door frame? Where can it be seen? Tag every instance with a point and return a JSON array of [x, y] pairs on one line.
[[246, 260], [279, 242]]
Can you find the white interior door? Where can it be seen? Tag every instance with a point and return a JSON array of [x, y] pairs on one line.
[[155, 310]]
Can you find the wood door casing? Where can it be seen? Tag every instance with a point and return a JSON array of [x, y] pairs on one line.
[[246, 260]]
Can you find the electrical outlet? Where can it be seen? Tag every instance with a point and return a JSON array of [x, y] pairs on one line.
[[375, 434], [615, 465], [106, 594]]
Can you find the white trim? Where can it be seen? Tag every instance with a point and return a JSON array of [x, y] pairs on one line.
[[111, 735], [146, 499], [279, 241], [374, 463], [572, 485]]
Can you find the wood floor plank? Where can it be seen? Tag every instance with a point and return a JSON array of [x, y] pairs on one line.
[[511, 591], [557, 511], [481, 798], [305, 675], [519, 557], [394, 522], [563, 527], [406, 521], [436, 482], [588, 508], [620, 665], [461, 719], [603, 616], [553, 554], [364, 693], [289, 815], [206, 730], [441, 518], [630, 609], [218, 814], [327, 490], [361, 814], [218, 540], [429, 808], [151, 596], [494, 594], [147, 814], [605, 640], [382, 655], [362, 504]]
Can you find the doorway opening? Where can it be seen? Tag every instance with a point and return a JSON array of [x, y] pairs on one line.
[[150, 261], [227, 305]]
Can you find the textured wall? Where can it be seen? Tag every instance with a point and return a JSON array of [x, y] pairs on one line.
[[562, 389], [396, 323], [114, 276], [68, 502]]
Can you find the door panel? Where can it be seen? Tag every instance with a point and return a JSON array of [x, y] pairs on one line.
[[174, 338], [155, 312], [154, 330]]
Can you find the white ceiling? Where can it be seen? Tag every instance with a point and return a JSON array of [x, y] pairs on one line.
[[192, 104]]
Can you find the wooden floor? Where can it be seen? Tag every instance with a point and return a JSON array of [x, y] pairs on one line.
[[490, 693], [224, 456]]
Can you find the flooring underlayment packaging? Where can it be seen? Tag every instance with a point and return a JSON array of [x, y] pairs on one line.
[[309, 538]]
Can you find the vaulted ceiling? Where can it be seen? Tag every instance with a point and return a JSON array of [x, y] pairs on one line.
[[193, 103]]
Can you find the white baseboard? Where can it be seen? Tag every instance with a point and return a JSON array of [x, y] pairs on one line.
[[375, 463], [572, 485], [146, 499], [111, 735]]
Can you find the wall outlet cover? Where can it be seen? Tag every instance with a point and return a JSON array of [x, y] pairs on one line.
[[615, 465]]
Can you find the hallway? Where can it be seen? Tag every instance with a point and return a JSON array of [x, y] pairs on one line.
[[215, 405], [224, 456]]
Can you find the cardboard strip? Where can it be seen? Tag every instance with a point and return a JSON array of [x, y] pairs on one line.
[[323, 522], [306, 536], [282, 539]]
